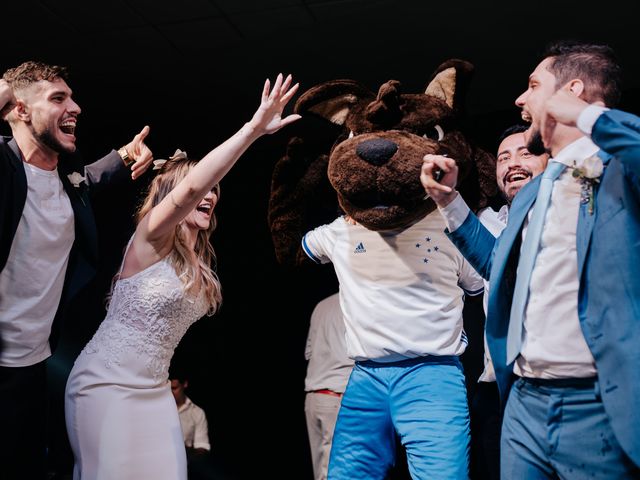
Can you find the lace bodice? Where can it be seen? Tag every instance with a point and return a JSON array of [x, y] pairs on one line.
[[148, 314]]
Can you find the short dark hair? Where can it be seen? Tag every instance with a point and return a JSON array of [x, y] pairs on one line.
[[595, 64], [177, 373], [507, 132], [31, 72], [179, 377]]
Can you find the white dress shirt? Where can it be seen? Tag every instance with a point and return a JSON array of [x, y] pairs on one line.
[[553, 342], [194, 425]]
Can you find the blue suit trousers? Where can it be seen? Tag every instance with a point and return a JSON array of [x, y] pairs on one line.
[[558, 429]]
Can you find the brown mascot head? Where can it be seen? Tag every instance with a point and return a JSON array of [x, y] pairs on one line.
[[374, 164]]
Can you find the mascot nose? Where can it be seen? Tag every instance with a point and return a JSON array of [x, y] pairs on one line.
[[376, 151]]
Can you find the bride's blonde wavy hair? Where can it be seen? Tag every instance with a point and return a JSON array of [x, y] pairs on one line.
[[191, 274]]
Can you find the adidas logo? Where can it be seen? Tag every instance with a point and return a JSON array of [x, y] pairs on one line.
[[360, 248]]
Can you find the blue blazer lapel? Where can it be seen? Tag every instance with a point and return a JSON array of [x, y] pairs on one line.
[[586, 221]]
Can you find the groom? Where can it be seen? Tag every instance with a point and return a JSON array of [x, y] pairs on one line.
[[564, 307], [48, 245]]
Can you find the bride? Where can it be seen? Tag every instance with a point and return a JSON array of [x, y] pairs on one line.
[[121, 417]]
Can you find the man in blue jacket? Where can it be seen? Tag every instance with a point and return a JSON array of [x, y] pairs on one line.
[[564, 307], [48, 245]]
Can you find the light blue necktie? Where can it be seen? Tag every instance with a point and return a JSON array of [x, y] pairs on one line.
[[530, 248]]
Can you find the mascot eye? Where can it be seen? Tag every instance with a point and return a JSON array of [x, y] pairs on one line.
[[351, 134], [435, 133]]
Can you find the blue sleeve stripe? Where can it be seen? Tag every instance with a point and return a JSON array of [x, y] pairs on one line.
[[474, 292], [307, 250]]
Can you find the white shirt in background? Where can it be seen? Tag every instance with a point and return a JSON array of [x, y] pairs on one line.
[[329, 365], [194, 425], [495, 223]]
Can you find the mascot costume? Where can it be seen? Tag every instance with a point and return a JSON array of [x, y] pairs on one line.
[[402, 282]]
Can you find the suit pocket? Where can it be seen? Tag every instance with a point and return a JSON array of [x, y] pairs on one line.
[[610, 213]]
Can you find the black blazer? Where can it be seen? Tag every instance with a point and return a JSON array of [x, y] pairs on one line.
[[13, 194]]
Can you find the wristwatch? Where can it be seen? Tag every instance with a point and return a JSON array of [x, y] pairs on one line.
[[125, 156]]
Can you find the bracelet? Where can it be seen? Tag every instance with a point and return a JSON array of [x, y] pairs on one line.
[[125, 156]]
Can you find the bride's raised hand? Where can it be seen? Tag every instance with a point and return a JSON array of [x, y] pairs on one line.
[[268, 117]]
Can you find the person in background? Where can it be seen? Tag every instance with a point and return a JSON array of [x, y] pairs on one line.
[[515, 167], [193, 420], [328, 372]]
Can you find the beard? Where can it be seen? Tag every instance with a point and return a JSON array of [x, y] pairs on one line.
[[535, 144], [46, 137], [509, 196]]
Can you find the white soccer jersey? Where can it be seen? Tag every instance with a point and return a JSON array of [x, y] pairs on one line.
[[401, 292]]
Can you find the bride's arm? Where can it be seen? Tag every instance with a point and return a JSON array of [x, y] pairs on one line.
[[158, 225]]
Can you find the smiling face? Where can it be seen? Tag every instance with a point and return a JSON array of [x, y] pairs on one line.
[[50, 113], [542, 85], [516, 165], [201, 216]]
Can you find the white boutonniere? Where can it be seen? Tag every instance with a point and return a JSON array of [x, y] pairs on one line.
[[589, 174], [76, 179]]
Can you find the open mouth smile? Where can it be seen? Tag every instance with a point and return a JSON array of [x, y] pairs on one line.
[[516, 176], [68, 127], [205, 208]]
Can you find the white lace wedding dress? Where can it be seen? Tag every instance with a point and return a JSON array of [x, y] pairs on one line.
[[121, 417]]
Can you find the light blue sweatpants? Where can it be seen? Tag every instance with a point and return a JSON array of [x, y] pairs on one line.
[[424, 400]]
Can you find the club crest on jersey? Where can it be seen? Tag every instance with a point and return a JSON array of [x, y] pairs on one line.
[[428, 249]]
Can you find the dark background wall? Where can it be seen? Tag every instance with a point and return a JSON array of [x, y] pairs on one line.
[[193, 70]]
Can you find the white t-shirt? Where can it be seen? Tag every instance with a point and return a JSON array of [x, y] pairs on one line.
[[401, 292], [32, 280]]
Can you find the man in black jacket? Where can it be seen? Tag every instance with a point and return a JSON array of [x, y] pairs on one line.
[[48, 245]]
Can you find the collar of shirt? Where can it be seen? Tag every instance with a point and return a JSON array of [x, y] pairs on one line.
[[503, 214], [185, 405], [574, 154]]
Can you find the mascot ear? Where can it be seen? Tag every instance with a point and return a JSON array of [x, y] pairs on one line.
[[332, 100], [450, 82]]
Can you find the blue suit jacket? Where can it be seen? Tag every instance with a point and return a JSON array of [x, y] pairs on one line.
[[13, 194], [608, 247]]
